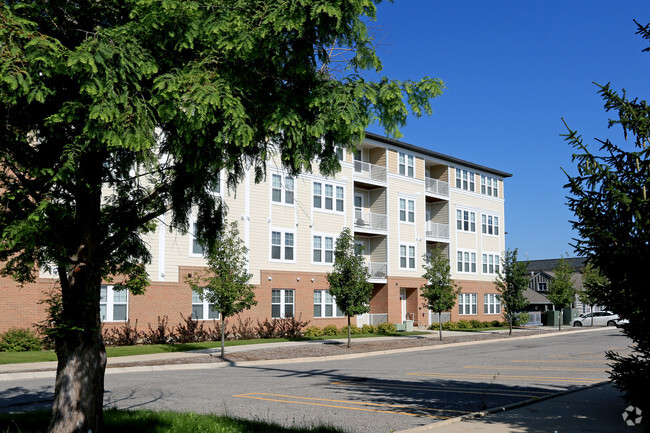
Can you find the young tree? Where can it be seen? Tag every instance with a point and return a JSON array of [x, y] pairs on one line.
[[561, 292], [609, 197], [593, 281], [226, 286], [511, 282], [440, 292], [349, 280], [110, 124]]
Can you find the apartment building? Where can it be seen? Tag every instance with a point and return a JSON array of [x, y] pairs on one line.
[[400, 200]]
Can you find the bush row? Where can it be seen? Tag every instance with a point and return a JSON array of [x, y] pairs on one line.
[[331, 330], [19, 340], [467, 324]]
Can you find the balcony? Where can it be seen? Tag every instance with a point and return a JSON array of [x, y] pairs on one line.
[[438, 187], [370, 220], [436, 230], [378, 270], [365, 170]]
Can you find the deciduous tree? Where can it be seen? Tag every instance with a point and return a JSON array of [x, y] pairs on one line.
[[561, 292], [349, 279], [440, 292], [511, 282], [226, 284], [119, 115], [593, 281]]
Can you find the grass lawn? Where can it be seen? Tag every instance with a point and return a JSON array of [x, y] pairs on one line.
[[145, 421], [49, 355]]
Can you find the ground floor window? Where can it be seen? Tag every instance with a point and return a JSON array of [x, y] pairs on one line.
[[113, 304], [325, 305], [491, 303], [467, 303], [201, 309], [282, 301]]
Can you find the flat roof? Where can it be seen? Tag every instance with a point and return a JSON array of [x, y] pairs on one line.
[[433, 154]]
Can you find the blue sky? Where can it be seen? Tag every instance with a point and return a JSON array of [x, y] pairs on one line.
[[513, 70]]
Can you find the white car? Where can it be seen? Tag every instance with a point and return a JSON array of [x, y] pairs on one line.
[[601, 318]]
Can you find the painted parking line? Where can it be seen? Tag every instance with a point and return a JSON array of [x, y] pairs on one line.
[[447, 389], [500, 376], [324, 402], [513, 367]]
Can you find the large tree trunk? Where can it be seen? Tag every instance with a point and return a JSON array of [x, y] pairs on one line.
[[349, 337], [223, 336]]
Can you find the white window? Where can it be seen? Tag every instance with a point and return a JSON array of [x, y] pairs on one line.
[[215, 185], [491, 303], [339, 153], [466, 262], [489, 186], [282, 245], [282, 301], [196, 250], [407, 256], [113, 304], [282, 187], [465, 220], [406, 165], [491, 263], [323, 249], [465, 180], [406, 210], [201, 310], [325, 305], [467, 303], [325, 198], [490, 225]]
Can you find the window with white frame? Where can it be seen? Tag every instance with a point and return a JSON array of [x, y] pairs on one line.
[[407, 256], [282, 303], [465, 220], [196, 250], [406, 210], [201, 309], [541, 287], [282, 187], [323, 249], [215, 184], [491, 263], [406, 165], [466, 261], [465, 180], [467, 303], [282, 245], [113, 304], [325, 305], [328, 197], [339, 153], [489, 186], [490, 224], [491, 303]]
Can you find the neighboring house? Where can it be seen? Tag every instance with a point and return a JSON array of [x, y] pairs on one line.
[[401, 201]]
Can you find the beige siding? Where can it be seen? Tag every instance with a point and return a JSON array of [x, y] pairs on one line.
[[392, 161]]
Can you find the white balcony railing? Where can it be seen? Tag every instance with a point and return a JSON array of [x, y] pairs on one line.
[[436, 186], [375, 221], [369, 171], [378, 269], [436, 230]]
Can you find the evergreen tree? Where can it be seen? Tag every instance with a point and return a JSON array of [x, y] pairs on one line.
[[440, 292], [349, 279], [118, 114], [511, 282], [561, 292], [609, 197], [226, 286]]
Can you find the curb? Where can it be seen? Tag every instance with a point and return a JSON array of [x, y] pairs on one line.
[[204, 366], [497, 409]]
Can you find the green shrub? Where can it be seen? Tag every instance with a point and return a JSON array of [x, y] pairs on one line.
[[497, 324], [485, 324], [475, 324], [450, 326], [313, 331], [464, 324], [330, 330], [19, 340], [434, 326], [521, 319], [386, 328], [369, 329]]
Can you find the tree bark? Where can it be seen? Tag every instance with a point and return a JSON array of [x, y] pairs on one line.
[[349, 337], [223, 336], [440, 325]]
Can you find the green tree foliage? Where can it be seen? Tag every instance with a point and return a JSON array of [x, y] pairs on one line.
[[609, 197], [511, 282], [349, 278], [117, 115], [440, 292], [593, 282], [226, 287], [561, 292]]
